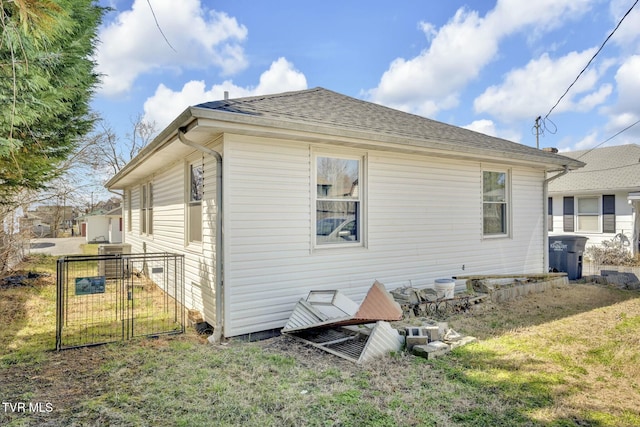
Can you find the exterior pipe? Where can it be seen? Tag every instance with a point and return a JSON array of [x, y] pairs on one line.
[[545, 228], [217, 331]]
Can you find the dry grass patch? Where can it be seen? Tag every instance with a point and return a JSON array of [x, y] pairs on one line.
[[566, 357]]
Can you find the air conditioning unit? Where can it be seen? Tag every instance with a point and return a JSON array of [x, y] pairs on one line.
[[111, 266]]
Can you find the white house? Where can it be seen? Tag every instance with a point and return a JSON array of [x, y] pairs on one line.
[[102, 227], [600, 200], [269, 197]]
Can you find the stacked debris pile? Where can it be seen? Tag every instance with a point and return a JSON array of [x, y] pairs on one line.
[[331, 321], [433, 339], [427, 303]]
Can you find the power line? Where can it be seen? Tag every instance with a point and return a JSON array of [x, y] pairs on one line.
[[592, 58], [608, 139]]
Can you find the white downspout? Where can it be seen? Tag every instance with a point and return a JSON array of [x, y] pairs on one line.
[[219, 250], [545, 228]]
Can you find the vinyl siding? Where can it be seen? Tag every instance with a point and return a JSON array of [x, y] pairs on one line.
[[169, 230], [423, 220]]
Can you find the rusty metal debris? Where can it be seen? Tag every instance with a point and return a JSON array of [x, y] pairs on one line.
[[331, 321]]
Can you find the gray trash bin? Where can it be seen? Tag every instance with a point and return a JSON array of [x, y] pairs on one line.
[[565, 255]]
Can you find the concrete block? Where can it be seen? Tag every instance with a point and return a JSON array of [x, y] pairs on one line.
[[433, 332], [416, 335], [431, 350]]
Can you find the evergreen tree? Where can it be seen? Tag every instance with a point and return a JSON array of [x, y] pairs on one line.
[[47, 79]]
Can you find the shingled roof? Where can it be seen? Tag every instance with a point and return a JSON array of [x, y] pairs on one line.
[[607, 169], [323, 115], [327, 108]]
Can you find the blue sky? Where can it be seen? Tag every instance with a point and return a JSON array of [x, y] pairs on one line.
[[484, 65]]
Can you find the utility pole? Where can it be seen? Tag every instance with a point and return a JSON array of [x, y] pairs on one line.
[[538, 126]]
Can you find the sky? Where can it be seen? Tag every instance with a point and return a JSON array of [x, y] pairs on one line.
[[489, 66]]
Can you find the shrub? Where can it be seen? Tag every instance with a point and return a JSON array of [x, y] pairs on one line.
[[610, 252]]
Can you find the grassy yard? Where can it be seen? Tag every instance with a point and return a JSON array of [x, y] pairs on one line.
[[567, 357]]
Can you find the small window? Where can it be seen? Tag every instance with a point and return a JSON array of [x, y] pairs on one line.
[[588, 214], [495, 208], [567, 214], [609, 213], [338, 200], [194, 206], [146, 211], [550, 214], [129, 210]]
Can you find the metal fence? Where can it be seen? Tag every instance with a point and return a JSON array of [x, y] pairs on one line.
[[108, 298]]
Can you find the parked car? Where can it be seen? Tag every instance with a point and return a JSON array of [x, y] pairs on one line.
[[337, 230]]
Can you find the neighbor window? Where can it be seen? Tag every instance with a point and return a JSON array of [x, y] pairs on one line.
[[194, 206], [495, 208], [338, 200], [146, 213], [550, 214], [588, 214], [609, 213]]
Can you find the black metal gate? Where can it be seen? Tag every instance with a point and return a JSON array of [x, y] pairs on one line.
[[107, 298]]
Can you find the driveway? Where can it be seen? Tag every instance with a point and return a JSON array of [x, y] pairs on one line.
[[57, 246]]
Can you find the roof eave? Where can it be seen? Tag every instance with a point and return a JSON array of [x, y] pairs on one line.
[[264, 126]]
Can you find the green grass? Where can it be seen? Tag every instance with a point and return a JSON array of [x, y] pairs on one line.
[[573, 369]]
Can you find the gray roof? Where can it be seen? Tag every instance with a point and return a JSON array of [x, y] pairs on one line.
[[321, 114], [607, 169], [324, 107]]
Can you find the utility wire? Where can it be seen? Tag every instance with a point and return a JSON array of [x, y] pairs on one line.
[[592, 58], [609, 139], [160, 29]]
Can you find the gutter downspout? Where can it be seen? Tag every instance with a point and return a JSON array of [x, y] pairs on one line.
[[217, 330], [545, 197]]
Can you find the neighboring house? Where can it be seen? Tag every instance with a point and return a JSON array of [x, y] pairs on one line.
[[102, 227], [600, 200], [246, 188]]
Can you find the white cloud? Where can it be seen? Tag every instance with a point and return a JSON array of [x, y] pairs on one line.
[[627, 34], [132, 44], [533, 89], [166, 104], [460, 49], [488, 127]]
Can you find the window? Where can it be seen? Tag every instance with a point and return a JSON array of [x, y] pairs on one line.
[[194, 205], [146, 213], [495, 209], [550, 214], [338, 200], [567, 214], [588, 214], [609, 213], [129, 209]]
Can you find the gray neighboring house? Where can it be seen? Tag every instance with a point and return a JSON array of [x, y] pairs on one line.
[[270, 197], [600, 200]]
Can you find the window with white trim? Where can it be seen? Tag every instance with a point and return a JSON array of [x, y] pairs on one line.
[[146, 211], [588, 214], [495, 203], [338, 200], [194, 203]]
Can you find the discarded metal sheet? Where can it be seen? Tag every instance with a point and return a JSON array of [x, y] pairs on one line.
[[324, 309], [357, 345]]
